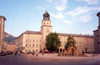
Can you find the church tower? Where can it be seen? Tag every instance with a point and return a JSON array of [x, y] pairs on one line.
[[46, 28], [97, 36], [2, 25], [98, 14]]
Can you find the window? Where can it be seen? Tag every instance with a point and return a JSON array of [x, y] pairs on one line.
[[30, 45], [26, 40], [37, 45], [47, 31], [36, 50], [26, 44], [29, 50], [33, 40], [33, 45]]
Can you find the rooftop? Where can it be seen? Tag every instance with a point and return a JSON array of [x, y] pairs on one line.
[[46, 13], [75, 35], [3, 17], [32, 32]]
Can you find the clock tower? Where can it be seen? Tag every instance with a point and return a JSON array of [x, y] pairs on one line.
[[46, 28]]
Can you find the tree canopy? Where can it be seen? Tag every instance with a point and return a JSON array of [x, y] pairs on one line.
[[53, 42]]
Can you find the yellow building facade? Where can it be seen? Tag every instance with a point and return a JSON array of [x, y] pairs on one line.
[[30, 41]]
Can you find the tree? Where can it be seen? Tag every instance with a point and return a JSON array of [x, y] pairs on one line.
[[53, 42], [68, 42]]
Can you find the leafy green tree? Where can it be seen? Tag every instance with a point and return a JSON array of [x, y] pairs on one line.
[[53, 42], [68, 42]]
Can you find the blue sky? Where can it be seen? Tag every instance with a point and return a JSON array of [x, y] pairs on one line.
[[67, 16]]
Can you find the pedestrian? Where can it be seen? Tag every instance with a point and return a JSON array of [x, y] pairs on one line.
[[33, 53], [37, 53], [42, 52], [16, 53]]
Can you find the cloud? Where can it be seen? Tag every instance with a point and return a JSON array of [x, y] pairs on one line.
[[88, 32], [97, 8], [86, 18], [90, 2], [82, 18], [41, 8], [68, 21], [83, 10], [79, 14], [78, 11], [82, 14], [62, 5], [50, 0], [58, 16], [60, 8], [59, 5]]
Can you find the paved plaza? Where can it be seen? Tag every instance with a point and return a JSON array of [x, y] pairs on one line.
[[48, 59]]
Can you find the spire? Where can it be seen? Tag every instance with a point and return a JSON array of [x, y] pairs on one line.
[[46, 16]]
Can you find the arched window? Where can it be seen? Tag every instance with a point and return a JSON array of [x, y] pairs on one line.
[[33, 40], [97, 35], [26, 45], [37, 45], [26, 40], [40, 40]]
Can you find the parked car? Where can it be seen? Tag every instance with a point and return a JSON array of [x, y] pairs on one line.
[[46, 51], [9, 52], [36, 53], [29, 52], [3, 53]]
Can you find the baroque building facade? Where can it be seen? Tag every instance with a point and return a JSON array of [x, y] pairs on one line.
[[2, 25], [30, 41]]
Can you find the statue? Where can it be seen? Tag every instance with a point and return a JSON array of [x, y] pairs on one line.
[[70, 46]]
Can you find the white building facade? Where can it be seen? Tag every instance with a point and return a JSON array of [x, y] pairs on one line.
[[30, 41]]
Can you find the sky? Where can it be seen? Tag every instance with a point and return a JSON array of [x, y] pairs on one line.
[[67, 16]]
